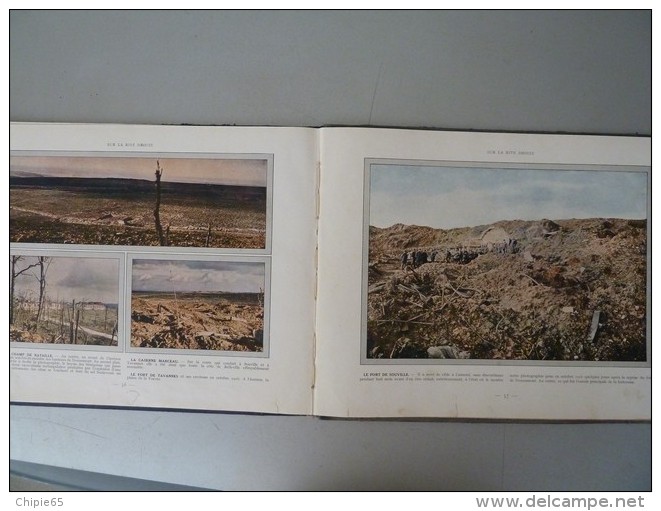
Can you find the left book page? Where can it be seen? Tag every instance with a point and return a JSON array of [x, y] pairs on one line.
[[162, 267]]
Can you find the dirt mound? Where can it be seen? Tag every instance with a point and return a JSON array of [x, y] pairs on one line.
[[193, 323], [532, 298], [404, 236], [22, 335]]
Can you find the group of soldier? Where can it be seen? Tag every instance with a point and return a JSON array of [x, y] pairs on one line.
[[417, 257], [505, 247], [462, 255]]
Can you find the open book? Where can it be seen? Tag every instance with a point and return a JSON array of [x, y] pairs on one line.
[[345, 272]]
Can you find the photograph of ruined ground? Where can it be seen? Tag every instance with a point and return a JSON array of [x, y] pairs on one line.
[[557, 290], [63, 300], [198, 305], [138, 202]]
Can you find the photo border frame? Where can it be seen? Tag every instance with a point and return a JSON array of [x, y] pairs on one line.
[[368, 162]]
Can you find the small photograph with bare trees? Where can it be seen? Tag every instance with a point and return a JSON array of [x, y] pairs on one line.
[[63, 300], [198, 305], [523, 264], [139, 201]]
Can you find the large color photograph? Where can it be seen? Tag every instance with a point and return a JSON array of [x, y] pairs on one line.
[[139, 201], [507, 264], [197, 305]]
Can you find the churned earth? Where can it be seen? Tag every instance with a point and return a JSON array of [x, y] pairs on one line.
[[565, 290]]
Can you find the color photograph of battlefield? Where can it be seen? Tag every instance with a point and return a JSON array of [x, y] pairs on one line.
[[63, 300], [136, 201], [197, 305], [507, 264]]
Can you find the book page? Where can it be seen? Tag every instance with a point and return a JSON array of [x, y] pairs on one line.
[[482, 275], [163, 267]]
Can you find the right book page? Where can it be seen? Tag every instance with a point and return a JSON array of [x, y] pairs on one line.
[[483, 276]]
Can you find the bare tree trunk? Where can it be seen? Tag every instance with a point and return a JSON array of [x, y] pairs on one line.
[[75, 332], [157, 208], [15, 273], [71, 332], [44, 263], [13, 260], [62, 319]]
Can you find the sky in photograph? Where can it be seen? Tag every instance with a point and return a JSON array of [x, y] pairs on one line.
[[449, 197], [154, 275], [71, 278], [243, 172]]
